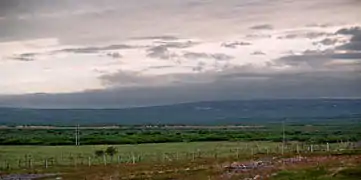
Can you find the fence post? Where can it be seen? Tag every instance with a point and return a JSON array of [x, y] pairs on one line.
[[133, 158], [298, 149], [104, 159], [140, 157], [328, 147], [89, 161], [119, 159], [46, 163]]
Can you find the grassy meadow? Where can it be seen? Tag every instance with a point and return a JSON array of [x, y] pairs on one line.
[[17, 157], [65, 155]]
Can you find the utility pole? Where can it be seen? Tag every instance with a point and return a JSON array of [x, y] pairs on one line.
[[78, 135], [77, 142], [283, 137]]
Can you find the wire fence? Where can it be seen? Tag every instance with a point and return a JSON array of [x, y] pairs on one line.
[[31, 161]]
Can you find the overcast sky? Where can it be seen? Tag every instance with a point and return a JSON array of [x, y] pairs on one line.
[[120, 53]]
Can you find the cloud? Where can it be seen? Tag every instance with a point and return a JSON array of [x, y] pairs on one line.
[[243, 75], [328, 41], [258, 53], [7, 6], [166, 38], [206, 70], [325, 25], [160, 52], [87, 50], [258, 36], [25, 57], [178, 45], [349, 31], [216, 56], [304, 34], [234, 45], [126, 78], [114, 55], [160, 67], [262, 27], [353, 45], [291, 85], [318, 58], [140, 79], [355, 41]]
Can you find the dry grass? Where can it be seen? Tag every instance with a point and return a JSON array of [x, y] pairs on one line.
[[202, 169]]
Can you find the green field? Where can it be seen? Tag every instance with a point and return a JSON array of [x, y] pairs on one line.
[[65, 155], [15, 157]]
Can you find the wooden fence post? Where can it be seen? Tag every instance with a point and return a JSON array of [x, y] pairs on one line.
[[298, 149], [119, 159], [328, 147], [133, 158], [89, 161], [46, 163], [104, 160], [31, 163], [139, 159]]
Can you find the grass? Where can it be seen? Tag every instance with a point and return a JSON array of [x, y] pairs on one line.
[[325, 168], [309, 174], [66, 155], [188, 160], [321, 173]]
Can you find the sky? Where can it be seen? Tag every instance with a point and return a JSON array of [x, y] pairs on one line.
[[125, 53]]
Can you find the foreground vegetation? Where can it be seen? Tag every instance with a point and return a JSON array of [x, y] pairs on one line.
[[321, 173], [313, 167], [192, 160], [317, 167], [29, 157], [178, 152], [311, 133]]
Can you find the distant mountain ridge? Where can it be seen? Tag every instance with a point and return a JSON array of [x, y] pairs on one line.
[[198, 113]]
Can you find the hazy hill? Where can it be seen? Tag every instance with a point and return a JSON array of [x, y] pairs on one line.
[[218, 112]]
